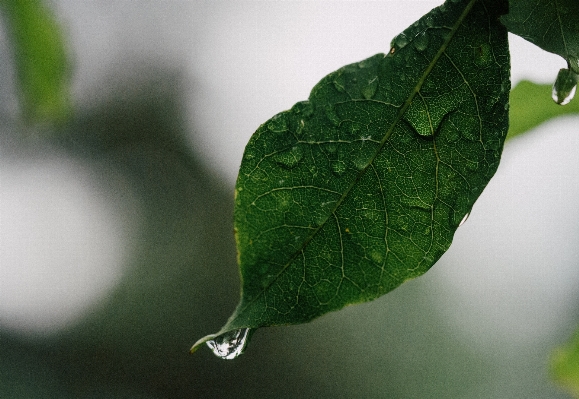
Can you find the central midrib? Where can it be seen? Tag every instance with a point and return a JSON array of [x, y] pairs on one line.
[[362, 171]]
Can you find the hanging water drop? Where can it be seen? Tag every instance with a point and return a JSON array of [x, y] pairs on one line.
[[231, 344], [565, 86], [464, 219]]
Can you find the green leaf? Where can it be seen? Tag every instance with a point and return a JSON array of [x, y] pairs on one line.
[[41, 62], [550, 24], [531, 105], [344, 197], [565, 366]]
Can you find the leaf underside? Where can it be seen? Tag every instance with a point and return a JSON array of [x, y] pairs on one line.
[[550, 24], [347, 195]]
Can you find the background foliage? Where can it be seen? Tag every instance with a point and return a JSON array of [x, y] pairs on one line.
[[181, 280]]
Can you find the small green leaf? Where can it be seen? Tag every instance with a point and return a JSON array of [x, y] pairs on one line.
[[531, 105], [565, 366], [41, 62], [550, 24], [347, 195]]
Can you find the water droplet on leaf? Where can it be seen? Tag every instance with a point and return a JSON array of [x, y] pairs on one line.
[[369, 90], [289, 158], [420, 42], [362, 159], [340, 83], [338, 167], [303, 108], [278, 123], [364, 63], [231, 344], [565, 86], [483, 55], [332, 116], [399, 41]]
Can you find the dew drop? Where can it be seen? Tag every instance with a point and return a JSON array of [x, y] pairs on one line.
[[464, 219], [231, 344], [361, 161], [278, 123], [300, 127], [338, 167], [369, 90], [483, 55], [340, 83], [289, 158], [399, 41], [429, 19], [565, 86], [421, 42], [303, 108], [332, 116]]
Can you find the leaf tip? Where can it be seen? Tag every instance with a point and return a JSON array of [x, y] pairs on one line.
[[200, 342]]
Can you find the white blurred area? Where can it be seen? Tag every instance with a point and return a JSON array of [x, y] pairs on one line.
[[63, 240], [510, 277]]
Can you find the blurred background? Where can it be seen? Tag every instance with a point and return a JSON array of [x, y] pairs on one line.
[[116, 244]]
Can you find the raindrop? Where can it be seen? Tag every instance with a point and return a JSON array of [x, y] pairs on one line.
[[338, 167], [362, 160], [304, 108], [565, 86], [429, 21], [300, 127], [332, 116], [365, 63], [464, 219], [399, 41], [231, 344], [421, 42], [340, 83], [369, 90], [483, 55], [289, 158], [278, 123]]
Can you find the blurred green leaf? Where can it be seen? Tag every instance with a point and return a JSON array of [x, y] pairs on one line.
[[565, 366], [550, 24], [531, 105], [41, 62], [344, 197]]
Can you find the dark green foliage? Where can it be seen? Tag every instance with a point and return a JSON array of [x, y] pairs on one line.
[[349, 194], [550, 24]]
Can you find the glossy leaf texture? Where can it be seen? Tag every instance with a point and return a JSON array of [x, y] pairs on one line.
[[42, 66], [347, 195], [550, 24], [531, 105]]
